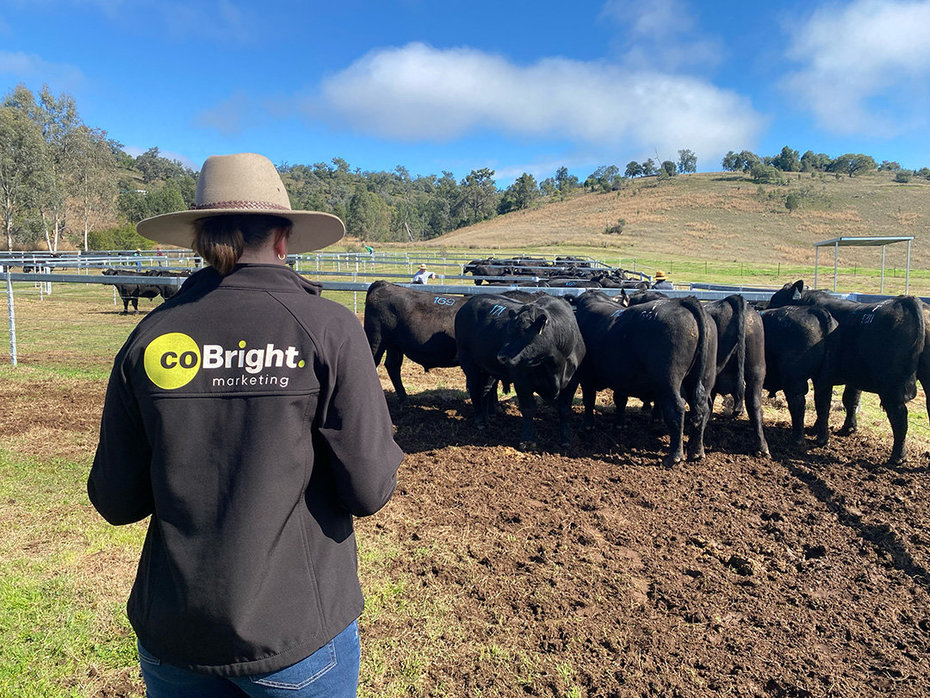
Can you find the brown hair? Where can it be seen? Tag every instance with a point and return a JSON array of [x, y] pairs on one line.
[[220, 240]]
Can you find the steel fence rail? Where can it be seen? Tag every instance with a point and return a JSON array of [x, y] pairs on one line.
[[704, 292]]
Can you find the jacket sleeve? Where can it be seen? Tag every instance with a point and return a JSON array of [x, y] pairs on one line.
[[355, 425], [119, 486]]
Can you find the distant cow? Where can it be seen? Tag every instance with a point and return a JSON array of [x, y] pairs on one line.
[[880, 351], [535, 345], [481, 268], [417, 324], [131, 293], [662, 350], [801, 347]]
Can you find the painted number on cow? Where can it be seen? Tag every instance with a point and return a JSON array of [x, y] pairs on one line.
[[439, 300], [497, 310]]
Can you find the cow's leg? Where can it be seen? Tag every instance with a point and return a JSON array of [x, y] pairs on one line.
[[392, 362], [565, 413], [135, 304], [620, 411], [753, 396], [125, 300], [851, 398], [673, 409], [794, 396], [739, 399], [896, 409], [493, 402], [477, 384], [527, 401], [823, 396], [697, 422], [588, 397]]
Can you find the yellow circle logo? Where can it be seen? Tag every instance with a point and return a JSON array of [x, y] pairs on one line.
[[172, 360]]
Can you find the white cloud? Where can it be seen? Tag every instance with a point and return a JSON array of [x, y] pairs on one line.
[[660, 34], [417, 93], [853, 54], [30, 67], [655, 19]]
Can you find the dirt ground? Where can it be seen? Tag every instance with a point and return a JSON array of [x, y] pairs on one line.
[[598, 572], [800, 575]]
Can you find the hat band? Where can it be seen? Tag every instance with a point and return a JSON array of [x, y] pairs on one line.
[[261, 205]]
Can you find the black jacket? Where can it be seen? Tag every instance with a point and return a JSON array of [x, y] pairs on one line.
[[246, 417]]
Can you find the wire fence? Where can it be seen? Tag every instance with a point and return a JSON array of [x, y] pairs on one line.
[[344, 276]]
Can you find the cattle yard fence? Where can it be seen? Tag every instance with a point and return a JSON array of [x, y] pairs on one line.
[[337, 272]]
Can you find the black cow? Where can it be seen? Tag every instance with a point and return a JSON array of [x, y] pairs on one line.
[[662, 351], [740, 360], [535, 345], [131, 293], [166, 291], [417, 324], [486, 267], [801, 346], [880, 351]]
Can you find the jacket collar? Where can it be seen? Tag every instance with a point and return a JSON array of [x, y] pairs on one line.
[[261, 277]]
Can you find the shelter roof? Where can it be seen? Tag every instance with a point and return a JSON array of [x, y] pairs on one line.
[[864, 241]]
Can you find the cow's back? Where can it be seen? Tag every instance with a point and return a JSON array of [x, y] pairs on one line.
[[420, 324], [800, 343]]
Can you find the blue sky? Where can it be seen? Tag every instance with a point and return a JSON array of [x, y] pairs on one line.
[[513, 86]]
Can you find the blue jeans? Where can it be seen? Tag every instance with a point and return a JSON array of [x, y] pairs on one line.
[[330, 672]]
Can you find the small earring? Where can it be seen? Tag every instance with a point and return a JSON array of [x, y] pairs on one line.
[[282, 257]]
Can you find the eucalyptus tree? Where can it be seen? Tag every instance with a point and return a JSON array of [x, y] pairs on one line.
[[519, 195], [687, 161], [22, 162], [478, 197], [94, 173]]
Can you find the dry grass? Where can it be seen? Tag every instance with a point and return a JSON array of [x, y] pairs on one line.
[[723, 217]]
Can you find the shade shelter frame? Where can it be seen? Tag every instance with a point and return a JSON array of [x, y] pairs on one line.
[[872, 241]]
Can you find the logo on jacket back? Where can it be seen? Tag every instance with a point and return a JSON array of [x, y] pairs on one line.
[[172, 360]]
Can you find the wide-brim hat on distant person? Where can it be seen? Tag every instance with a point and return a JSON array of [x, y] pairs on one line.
[[660, 274], [422, 267], [243, 183]]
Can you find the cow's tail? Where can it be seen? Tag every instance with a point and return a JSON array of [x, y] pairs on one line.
[[373, 332], [918, 345], [700, 402], [739, 313], [828, 325]]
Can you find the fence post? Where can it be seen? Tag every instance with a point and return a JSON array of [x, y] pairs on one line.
[[9, 301]]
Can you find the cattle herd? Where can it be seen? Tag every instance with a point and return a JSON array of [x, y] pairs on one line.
[[676, 353], [569, 272]]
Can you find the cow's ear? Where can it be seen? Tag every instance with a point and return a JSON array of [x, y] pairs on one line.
[[797, 289], [539, 324]]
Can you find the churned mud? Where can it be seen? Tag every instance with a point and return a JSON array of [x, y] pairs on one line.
[[599, 572]]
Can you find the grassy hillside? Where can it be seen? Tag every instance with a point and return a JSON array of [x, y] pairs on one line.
[[722, 217]]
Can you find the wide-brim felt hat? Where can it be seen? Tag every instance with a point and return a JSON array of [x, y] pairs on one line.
[[243, 183]]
